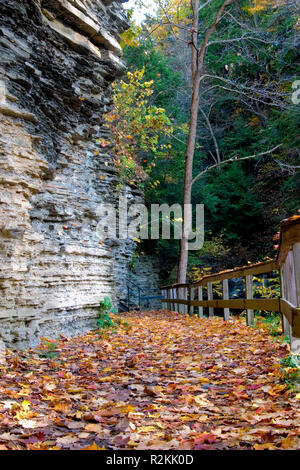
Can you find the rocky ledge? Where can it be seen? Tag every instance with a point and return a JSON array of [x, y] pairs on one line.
[[59, 58]]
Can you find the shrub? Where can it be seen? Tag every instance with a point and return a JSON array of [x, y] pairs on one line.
[[104, 321]]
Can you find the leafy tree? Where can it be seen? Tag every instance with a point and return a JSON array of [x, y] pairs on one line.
[[245, 113], [136, 127], [231, 203], [158, 69]]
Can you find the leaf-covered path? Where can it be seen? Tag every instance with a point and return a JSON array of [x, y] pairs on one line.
[[159, 381]]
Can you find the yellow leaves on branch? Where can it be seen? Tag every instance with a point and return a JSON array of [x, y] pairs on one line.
[[260, 5], [136, 125], [171, 13], [131, 36]]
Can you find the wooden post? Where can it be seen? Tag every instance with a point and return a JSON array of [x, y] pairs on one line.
[[295, 342], [226, 297], [289, 287], [167, 297], [192, 297], [175, 297], [185, 295], [180, 296], [171, 305], [210, 296], [286, 329], [200, 297], [296, 252], [249, 295]]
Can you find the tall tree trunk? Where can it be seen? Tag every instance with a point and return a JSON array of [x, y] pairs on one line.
[[197, 64], [188, 176]]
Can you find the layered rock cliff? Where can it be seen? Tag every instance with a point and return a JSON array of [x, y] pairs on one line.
[[59, 58]]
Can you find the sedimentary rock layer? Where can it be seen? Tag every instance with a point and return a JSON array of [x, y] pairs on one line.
[[59, 58]]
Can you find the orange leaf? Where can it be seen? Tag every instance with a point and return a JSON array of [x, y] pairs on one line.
[[94, 446]]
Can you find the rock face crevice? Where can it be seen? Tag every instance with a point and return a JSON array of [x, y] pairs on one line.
[[59, 58]]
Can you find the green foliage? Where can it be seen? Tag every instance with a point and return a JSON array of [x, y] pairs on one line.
[[291, 371], [272, 321], [230, 204], [47, 348], [134, 258], [247, 99], [104, 320], [202, 262], [158, 69]]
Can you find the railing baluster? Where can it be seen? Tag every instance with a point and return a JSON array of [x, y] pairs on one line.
[[185, 296], [249, 295], [295, 341], [296, 252], [200, 298], [173, 297], [192, 297], [163, 296], [291, 287], [226, 297], [285, 324], [210, 296], [180, 306]]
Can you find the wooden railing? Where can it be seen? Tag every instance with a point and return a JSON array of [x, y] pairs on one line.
[[186, 298]]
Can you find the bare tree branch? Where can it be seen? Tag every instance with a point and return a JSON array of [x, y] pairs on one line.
[[212, 134], [286, 166], [205, 4], [224, 162], [261, 93], [242, 38], [210, 31]]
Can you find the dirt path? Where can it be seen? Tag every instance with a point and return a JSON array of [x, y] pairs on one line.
[[159, 381]]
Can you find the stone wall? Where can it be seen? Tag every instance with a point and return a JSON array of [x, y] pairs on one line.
[[59, 58]]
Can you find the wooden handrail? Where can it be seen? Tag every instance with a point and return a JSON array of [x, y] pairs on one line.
[[287, 262], [251, 269]]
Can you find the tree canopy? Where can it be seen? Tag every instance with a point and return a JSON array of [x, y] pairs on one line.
[[245, 108]]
